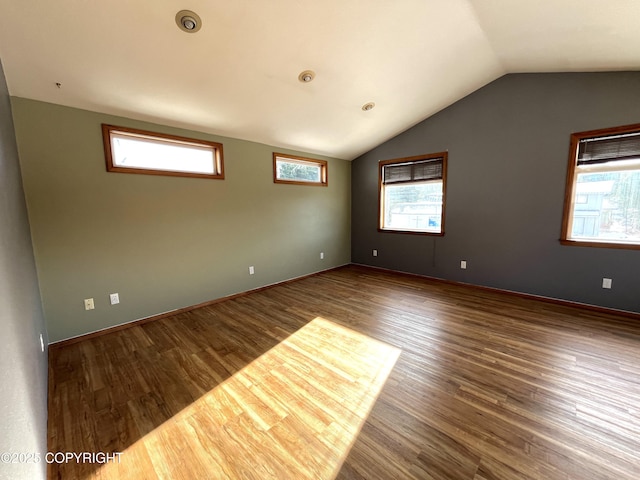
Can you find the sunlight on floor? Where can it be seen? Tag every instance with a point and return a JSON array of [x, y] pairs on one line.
[[293, 413]]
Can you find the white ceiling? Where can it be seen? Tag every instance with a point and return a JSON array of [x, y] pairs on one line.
[[237, 76]]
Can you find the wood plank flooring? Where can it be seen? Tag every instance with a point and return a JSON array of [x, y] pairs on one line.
[[278, 384]]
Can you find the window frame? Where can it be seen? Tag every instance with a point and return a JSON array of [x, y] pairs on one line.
[[218, 157], [413, 159], [570, 186], [323, 164]]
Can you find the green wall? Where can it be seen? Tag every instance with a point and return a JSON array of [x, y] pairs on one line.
[[163, 242], [23, 362]]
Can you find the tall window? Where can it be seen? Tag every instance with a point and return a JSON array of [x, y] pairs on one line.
[[129, 150], [299, 170], [602, 198], [412, 194]]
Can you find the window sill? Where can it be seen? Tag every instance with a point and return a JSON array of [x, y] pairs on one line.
[[412, 232], [586, 243]]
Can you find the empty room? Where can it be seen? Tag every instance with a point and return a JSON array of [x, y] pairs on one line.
[[320, 240]]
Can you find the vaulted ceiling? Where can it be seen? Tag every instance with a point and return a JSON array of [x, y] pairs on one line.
[[238, 75]]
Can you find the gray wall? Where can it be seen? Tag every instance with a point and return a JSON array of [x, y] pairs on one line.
[[23, 365], [508, 149], [163, 242]]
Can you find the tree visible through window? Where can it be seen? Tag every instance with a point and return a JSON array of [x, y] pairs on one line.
[[412, 194], [602, 199], [299, 170]]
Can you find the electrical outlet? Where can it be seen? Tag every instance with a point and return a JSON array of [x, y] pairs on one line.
[[114, 298], [375, 253], [252, 270], [606, 283], [88, 304], [321, 255], [463, 264]]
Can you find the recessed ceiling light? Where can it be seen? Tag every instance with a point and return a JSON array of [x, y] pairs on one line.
[[188, 21], [306, 76], [368, 106]]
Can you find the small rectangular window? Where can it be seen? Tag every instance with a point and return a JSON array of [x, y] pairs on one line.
[[412, 194], [128, 150], [299, 170], [602, 198]]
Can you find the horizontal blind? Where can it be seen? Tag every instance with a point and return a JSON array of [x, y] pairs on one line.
[[608, 149], [421, 170]]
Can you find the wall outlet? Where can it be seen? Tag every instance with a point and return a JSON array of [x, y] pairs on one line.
[[88, 304], [252, 270], [606, 283], [375, 253], [463, 264], [114, 298], [321, 255]]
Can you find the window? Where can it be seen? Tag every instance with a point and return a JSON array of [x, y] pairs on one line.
[[129, 150], [412, 194], [602, 198], [298, 170]]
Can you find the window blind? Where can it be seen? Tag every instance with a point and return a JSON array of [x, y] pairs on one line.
[[421, 170], [592, 151]]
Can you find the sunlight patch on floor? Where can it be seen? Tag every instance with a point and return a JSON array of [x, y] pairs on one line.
[[293, 413]]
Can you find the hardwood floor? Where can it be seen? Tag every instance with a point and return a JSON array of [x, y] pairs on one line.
[[271, 385]]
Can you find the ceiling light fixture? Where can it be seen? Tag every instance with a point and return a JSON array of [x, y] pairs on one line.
[[188, 21], [306, 76], [368, 106]]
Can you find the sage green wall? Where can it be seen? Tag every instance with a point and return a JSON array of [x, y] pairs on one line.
[[163, 242], [23, 363]]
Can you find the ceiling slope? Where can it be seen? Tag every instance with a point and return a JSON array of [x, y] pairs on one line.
[[238, 75]]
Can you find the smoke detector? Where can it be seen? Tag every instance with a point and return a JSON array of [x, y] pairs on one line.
[[188, 21]]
